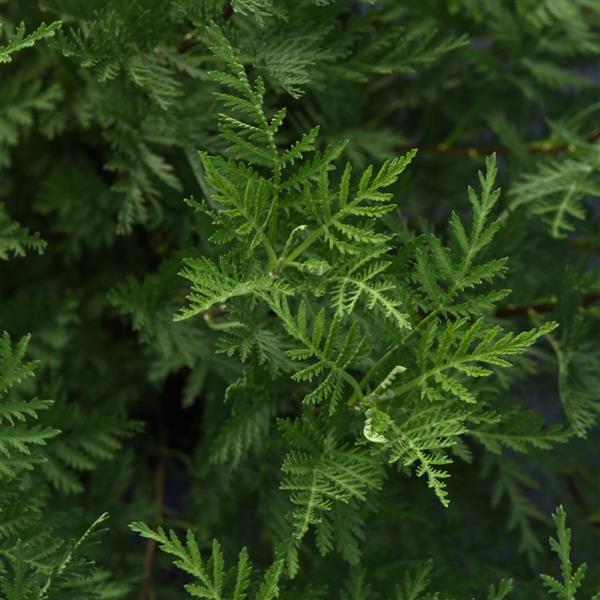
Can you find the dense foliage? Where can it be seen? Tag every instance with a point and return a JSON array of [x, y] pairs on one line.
[[360, 360]]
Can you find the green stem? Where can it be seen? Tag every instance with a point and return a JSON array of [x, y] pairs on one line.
[[270, 253], [377, 365], [355, 385], [355, 398], [273, 214], [305, 245]]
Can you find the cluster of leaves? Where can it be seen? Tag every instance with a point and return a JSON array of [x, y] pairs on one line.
[[43, 553], [211, 578], [441, 337], [328, 356], [37, 562]]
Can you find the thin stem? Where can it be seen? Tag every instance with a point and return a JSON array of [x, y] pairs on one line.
[[478, 151], [381, 361], [305, 245], [272, 217], [377, 364], [355, 385], [271, 254], [543, 305], [160, 475]]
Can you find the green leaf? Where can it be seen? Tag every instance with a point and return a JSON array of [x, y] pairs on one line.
[[15, 239], [557, 190], [251, 137], [572, 578], [518, 431], [418, 436], [366, 279], [512, 487], [318, 474], [20, 40], [462, 350], [415, 583], [214, 284], [447, 277], [505, 587], [332, 351], [18, 437]]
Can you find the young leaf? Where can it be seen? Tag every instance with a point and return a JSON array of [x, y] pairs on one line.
[[21, 40], [561, 546]]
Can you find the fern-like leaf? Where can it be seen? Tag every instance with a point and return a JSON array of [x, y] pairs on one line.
[[561, 545], [318, 473], [461, 352], [252, 135], [18, 437], [211, 580], [445, 275], [557, 191], [20, 39], [366, 280], [331, 351], [15, 239], [419, 437], [519, 431], [216, 284], [415, 583]]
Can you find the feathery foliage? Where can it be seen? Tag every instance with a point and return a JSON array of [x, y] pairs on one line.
[[20, 40], [561, 546], [15, 239], [310, 282], [18, 436]]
